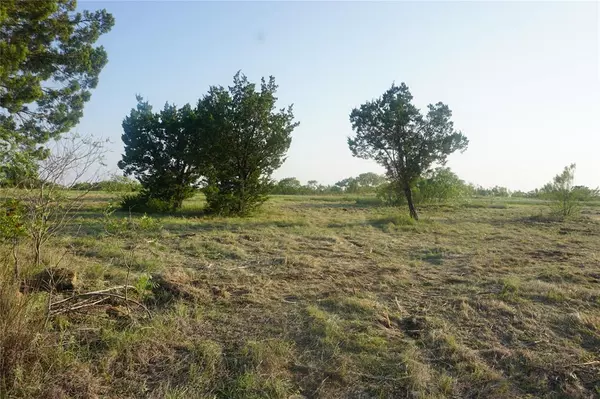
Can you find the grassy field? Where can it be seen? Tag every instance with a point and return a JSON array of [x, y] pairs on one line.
[[329, 297]]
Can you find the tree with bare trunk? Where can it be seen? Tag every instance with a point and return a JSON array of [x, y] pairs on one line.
[[393, 132]]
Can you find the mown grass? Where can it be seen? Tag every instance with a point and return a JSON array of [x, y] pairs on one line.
[[328, 297]]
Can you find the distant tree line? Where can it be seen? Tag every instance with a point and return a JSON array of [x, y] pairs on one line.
[[362, 184], [115, 183], [437, 185], [579, 193]]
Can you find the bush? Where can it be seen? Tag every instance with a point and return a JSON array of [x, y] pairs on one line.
[[229, 198], [390, 194], [142, 203], [583, 193], [441, 185], [562, 193]]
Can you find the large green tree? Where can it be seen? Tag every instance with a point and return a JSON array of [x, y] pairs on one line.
[[247, 139], [393, 132], [48, 65], [162, 151]]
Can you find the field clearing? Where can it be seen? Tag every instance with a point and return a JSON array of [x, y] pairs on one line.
[[332, 297]]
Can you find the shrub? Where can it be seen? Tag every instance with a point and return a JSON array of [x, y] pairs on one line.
[[583, 193], [125, 225], [142, 203], [132, 202], [157, 205], [390, 194], [562, 193], [236, 197], [440, 185]]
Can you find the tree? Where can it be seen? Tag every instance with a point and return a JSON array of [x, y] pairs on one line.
[[48, 65], [247, 139], [369, 181], [162, 151], [312, 185], [289, 185], [349, 185], [441, 184], [562, 192], [393, 132], [499, 191], [583, 193]]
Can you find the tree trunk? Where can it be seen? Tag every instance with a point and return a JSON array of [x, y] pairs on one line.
[[411, 205], [16, 259], [37, 248]]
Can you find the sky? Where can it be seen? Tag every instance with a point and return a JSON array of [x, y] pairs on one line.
[[522, 79]]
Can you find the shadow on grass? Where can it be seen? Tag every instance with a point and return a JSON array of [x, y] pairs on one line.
[[479, 205], [384, 223], [342, 205], [232, 225]]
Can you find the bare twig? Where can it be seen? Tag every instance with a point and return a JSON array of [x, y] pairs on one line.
[[92, 293], [118, 287], [103, 294], [79, 306], [49, 304], [591, 363], [127, 283]]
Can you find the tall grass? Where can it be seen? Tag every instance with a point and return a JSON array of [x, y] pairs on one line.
[[21, 322]]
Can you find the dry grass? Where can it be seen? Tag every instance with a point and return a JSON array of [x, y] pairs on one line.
[[329, 298]]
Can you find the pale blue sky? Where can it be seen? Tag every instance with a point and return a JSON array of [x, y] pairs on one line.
[[523, 79]]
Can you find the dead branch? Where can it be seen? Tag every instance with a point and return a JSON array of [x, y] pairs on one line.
[[92, 298], [82, 305], [118, 287], [75, 296]]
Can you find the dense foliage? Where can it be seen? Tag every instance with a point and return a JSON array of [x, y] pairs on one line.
[[163, 152], [247, 139], [231, 143], [393, 132], [438, 185], [48, 65], [364, 183], [561, 191]]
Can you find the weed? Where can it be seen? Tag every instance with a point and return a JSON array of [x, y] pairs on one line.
[[510, 289], [556, 296]]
